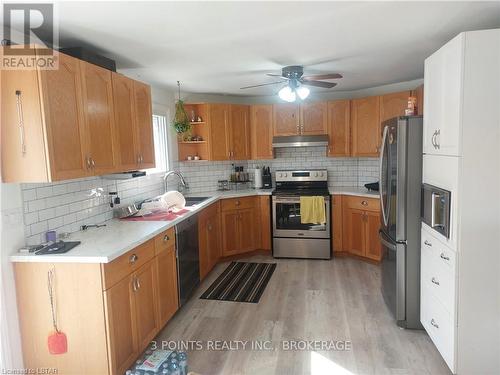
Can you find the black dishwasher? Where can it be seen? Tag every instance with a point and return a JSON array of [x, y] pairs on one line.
[[188, 259]]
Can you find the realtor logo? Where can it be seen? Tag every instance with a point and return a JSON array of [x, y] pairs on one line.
[[29, 36]]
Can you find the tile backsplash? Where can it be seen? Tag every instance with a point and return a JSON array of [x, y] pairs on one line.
[[65, 206], [341, 171]]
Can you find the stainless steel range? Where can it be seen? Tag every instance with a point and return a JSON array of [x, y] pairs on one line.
[[291, 238]]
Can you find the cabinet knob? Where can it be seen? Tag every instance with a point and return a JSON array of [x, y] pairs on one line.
[[237, 203], [364, 203], [434, 281], [209, 226], [444, 256], [133, 258], [166, 238]]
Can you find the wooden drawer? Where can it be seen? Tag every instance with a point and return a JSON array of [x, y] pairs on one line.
[[127, 263], [440, 326], [237, 203], [164, 240], [361, 203]]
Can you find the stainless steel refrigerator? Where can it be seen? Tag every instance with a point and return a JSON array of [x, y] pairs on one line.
[[400, 195]]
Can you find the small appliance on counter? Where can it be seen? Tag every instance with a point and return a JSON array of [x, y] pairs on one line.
[[374, 186], [267, 180]]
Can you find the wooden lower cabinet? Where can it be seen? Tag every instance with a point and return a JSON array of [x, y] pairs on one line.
[[121, 319], [265, 222], [108, 321], [360, 225], [337, 223], [168, 295], [240, 219], [209, 238]]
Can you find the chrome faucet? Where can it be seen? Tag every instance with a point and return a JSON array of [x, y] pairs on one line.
[[183, 184]]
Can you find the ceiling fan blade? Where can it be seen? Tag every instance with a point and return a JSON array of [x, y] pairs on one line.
[[276, 75], [325, 85], [322, 76], [263, 84]]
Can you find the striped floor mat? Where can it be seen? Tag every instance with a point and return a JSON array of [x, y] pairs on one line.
[[241, 282]]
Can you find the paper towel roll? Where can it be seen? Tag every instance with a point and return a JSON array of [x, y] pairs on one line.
[[258, 178]]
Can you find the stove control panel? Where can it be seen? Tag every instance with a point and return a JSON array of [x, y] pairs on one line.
[[303, 175]]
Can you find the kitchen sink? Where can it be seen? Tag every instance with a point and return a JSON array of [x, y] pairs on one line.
[[193, 201]]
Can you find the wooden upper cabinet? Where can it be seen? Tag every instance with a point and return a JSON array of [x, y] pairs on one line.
[[99, 117], [285, 119], [219, 131], [24, 158], [240, 132], [144, 125], [123, 95], [64, 119], [339, 128], [313, 118], [365, 126], [261, 131], [393, 105]]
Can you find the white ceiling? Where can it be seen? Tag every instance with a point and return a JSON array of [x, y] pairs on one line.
[[218, 47]]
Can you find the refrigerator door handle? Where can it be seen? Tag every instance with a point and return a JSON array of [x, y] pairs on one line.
[[386, 243], [381, 161]]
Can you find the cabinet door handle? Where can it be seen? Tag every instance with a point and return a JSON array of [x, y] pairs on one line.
[[433, 139], [138, 159], [427, 243], [133, 258], [434, 281], [444, 256], [134, 284], [166, 238], [92, 162], [87, 161], [138, 283], [19, 105], [433, 323], [438, 136]]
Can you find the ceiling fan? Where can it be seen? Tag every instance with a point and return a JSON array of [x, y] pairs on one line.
[[296, 82]]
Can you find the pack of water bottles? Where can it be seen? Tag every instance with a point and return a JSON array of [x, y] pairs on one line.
[[160, 362]]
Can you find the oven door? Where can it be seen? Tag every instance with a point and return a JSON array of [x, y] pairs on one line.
[[286, 219]]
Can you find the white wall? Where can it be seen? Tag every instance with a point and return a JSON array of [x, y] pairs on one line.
[[12, 238]]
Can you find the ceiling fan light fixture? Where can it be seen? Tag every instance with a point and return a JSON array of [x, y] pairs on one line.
[[287, 94], [302, 92]]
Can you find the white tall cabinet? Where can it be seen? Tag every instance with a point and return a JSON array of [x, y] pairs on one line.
[[460, 275]]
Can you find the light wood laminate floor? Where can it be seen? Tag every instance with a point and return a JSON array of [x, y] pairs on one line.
[[305, 300]]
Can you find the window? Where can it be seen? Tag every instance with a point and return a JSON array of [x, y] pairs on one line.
[[160, 134]]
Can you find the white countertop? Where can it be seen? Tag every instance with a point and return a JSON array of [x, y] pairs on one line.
[[357, 191], [104, 244]]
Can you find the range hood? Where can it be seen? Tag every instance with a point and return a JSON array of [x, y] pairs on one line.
[[300, 141]]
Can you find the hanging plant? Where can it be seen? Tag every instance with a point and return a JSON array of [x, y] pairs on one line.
[[181, 122]]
